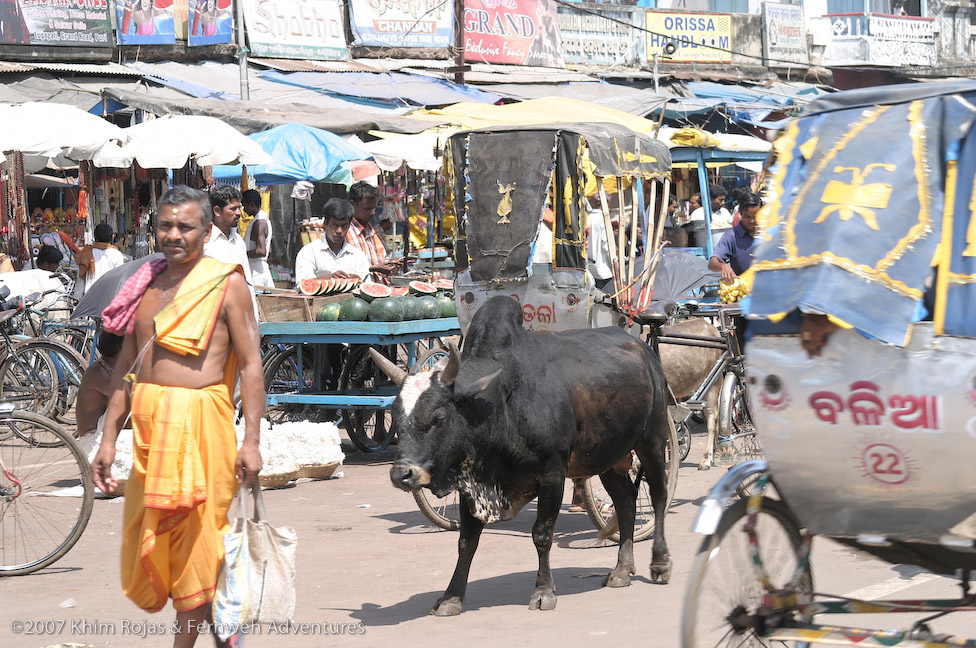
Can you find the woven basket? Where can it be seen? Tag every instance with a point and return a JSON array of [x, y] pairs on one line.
[[318, 471], [278, 481]]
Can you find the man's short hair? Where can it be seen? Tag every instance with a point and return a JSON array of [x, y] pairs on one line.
[[361, 190], [104, 233], [337, 209], [717, 191], [251, 197], [221, 195], [181, 194], [109, 344], [48, 254]]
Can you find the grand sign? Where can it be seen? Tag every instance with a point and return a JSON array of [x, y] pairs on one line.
[[519, 32]]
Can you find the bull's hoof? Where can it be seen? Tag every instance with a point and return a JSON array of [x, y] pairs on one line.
[[543, 600], [617, 579], [447, 607], [706, 464], [661, 571]]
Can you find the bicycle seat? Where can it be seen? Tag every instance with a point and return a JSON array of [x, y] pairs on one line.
[[32, 298], [7, 314], [658, 312]]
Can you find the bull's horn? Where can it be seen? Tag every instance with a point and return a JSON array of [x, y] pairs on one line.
[[393, 372], [453, 365]]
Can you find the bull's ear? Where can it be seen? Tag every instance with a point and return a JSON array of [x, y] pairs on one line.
[[476, 375], [453, 365]]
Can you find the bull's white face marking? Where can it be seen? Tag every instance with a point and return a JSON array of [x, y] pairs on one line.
[[413, 387]]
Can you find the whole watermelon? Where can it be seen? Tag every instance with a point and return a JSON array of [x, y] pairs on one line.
[[385, 309], [448, 306], [412, 308], [432, 307], [354, 309], [329, 313]]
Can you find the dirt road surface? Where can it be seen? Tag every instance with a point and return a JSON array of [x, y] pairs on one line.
[[370, 567]]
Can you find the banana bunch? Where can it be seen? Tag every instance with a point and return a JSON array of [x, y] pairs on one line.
[[733, 291]]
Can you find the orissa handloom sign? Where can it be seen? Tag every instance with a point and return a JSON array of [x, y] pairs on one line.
[[520, 32], [295, 29], [697, 37], [402, 23]]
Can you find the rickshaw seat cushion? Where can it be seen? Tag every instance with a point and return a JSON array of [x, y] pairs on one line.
[[658, 312]]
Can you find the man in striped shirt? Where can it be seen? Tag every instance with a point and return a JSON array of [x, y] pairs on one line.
[[361, 234]]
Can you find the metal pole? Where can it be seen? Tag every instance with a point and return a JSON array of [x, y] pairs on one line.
[[656, 86], [242, 49], [459, 42]]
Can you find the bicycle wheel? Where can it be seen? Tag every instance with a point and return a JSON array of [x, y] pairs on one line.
[[29, 380], [46, 492], [70, 367], [684, 439], [442, 511], [724, 593], [736, 432], [80, 339], [370, 429], [599, 506], [281, 376]]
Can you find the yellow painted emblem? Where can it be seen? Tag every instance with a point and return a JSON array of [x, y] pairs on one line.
[[505, 204], [856, 197]]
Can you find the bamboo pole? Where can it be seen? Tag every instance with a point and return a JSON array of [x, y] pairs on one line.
[[611, 245], [647, 290], [651, 243], [621, 243]]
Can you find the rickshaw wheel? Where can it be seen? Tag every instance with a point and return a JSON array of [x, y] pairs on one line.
[[724, 592], [442, 511], [597, 502], [370, 430], [735, 423]]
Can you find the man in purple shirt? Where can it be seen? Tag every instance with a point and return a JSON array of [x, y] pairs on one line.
[[733, 254]]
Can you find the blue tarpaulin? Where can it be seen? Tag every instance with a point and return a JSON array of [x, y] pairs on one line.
[[863, 179], [300, 153], [387, 87]]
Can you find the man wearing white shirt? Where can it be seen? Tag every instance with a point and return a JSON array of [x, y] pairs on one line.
[[330, 255], [721, 218], [225, 242], [97, 259], [258, 239]]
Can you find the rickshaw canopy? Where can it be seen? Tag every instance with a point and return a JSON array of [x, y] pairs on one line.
[[873, 191], [500, 178]]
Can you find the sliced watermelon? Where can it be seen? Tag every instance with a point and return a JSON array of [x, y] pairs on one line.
[[422, 288], [400, 291], [323, 286], [371, 291], [444, 284], [308, 286]]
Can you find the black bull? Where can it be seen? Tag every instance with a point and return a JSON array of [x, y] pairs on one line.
[[517, 413]]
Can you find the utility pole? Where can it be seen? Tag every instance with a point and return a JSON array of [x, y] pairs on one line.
[[242, 49], [459, 67]]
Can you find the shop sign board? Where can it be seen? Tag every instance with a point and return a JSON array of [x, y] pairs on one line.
[[210, 22], [784, 34], [145, 22], [695, 37], [402, 23], [81, 23], [595, 34], [307, 29], [518, 32]]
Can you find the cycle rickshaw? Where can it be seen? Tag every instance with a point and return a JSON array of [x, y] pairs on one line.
[[872, 231], [503, 183]]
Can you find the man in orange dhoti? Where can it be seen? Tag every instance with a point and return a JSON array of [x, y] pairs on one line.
[[190, 330]]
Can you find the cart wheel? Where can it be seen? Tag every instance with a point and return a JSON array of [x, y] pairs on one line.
[[684, 440], [724, 591], [442, 511], [281, 377], [599, 507], [370, 430], [735, 425]]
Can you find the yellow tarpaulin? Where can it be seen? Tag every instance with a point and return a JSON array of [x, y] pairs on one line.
[[549, 110]]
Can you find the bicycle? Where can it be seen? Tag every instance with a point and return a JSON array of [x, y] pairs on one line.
[[43, 473]]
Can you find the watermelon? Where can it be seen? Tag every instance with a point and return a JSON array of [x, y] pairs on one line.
[[371, 291], [422, 288], [444, 284], [308, 286], [353, 310], [412, 308], [448, 307], [385, 309], [400, 291], [431, 307], [329, 312]]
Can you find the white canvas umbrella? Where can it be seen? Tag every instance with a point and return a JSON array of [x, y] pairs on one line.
[[56, 135], [168, 142]]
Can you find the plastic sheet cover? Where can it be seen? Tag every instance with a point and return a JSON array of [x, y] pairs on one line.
[[858, 217]]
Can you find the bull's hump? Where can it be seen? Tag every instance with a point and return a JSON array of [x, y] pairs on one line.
[[414, 386]]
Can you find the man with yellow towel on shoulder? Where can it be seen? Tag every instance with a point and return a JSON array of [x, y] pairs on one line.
[[190, 330]]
